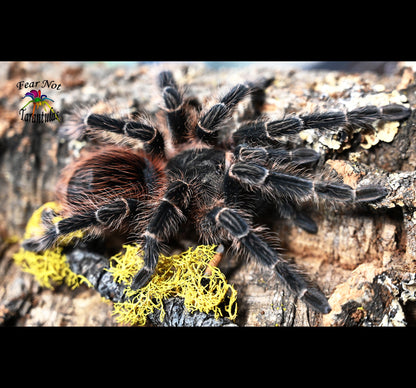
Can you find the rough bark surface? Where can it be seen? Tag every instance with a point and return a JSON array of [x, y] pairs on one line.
[[363, 259]]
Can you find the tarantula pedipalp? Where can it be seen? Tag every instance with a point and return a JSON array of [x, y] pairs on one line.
[[200, 174]]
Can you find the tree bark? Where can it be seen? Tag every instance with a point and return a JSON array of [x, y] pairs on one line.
[[362, 258]]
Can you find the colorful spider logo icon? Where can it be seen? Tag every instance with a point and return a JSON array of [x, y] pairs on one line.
[[38, 100]]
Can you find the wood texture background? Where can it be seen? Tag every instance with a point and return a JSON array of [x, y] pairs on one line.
[[363, 259]]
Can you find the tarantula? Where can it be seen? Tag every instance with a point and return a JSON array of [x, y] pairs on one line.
[[195, 172]]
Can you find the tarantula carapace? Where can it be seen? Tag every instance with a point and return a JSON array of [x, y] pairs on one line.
[[196, 172]]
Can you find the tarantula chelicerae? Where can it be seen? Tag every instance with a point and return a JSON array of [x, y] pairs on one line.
[[196, 172]]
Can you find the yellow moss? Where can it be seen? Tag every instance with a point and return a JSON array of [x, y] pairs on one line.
[[50, 268], [178, 275]]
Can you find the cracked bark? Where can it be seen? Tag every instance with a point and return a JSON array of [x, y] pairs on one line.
[[363, 259]]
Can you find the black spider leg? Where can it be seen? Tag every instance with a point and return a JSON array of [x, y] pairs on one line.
[[108, 216], [152, 139], [240, 231], [275, 185], [211, 121], [266, 132], [297, 158], [174, 107], [164, 223], [258, 93], [288, 211]]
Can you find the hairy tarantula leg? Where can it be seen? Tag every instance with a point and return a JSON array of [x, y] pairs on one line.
[[153, 142], [165, 222], [209, 124], [361, 117], [174, 108], [91, 123], [239, 230], [277, 184], [110, 216], [296, 157], [258, 93], [288, 211], [305, 222]]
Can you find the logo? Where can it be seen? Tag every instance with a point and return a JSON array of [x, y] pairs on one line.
[[42, 110]]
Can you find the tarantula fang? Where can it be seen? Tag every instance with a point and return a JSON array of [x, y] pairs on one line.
[[192, 174]]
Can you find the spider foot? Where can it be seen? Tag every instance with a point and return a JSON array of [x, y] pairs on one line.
[[301, 287], [33, 245], [40, 244], [317, 300], [370, 193], [306, 223], [141, 278]]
